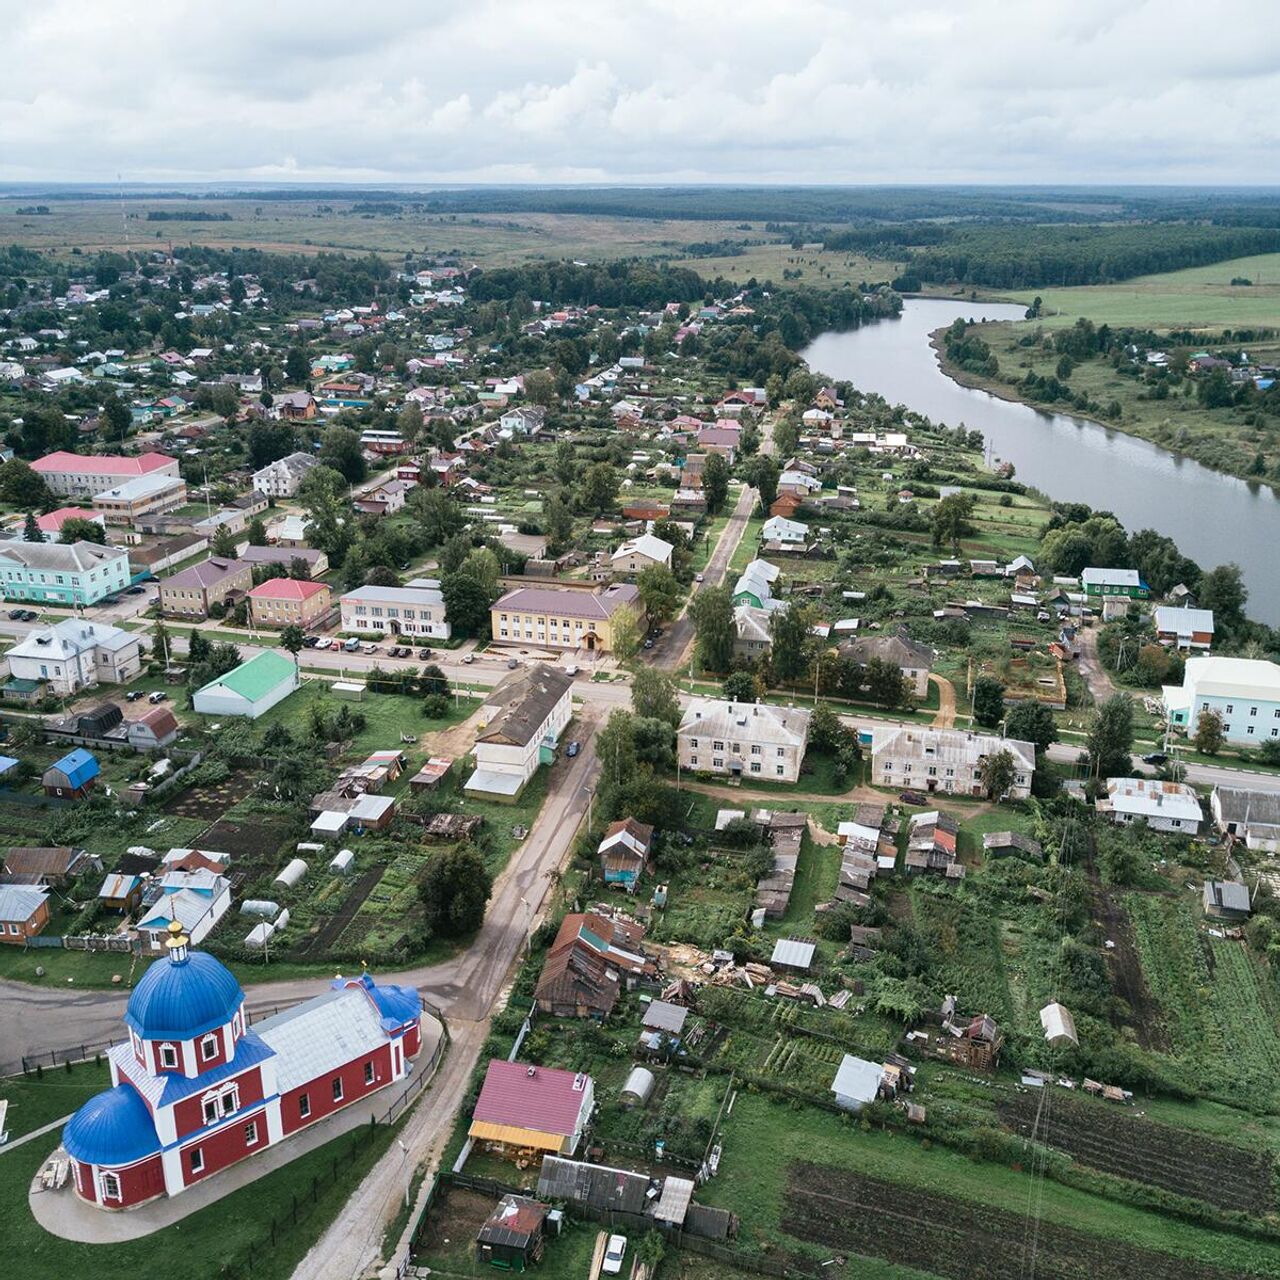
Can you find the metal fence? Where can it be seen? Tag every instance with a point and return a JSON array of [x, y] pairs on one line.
[[59, 1057]]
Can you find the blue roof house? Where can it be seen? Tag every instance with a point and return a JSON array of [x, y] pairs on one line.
[[73, 775]]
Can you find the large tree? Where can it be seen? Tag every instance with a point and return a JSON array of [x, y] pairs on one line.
[[660, 593], [438, 514], [653, 695], [329, 527], [951, 520], [712, 612], [715, 482], [762, 474], [1223, 590], [80, 529], [1031, 722], [791, 643], [599, 490], [455, 889], [31, 531], [997, 772], [340, 449], [988, 701], [1110, 740], [1210, 733], [21, 485]]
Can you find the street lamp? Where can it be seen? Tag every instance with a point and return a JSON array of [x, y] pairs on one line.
[[591, 795], [404, 1164]]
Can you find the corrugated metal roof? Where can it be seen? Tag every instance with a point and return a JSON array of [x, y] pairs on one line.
[[673, 1203], [794, 953], [516, 1093], [321, 1035]]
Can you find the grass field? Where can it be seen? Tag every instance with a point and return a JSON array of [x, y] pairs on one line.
[[1195, 298]]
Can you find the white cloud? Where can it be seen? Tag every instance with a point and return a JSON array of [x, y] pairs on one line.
[[656, 90]]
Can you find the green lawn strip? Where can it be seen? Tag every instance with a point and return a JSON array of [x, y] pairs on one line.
[[754, 1188], [37, 1101], [746, 550], [209, 1240]]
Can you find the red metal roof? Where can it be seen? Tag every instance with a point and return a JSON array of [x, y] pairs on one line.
[[287, 589], [102, 464], [545, 1101]]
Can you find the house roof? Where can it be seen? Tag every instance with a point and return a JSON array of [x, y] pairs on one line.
[[795, 953], [79, 767], [745, 721], [287, 589], [1184, 622], [593, 1184], [70, 637], [160, 720], [542, 1099], [1151, 798], [118, 885], [949, 745], [1254, 808], [522, 703], [52, 521], [103, 464], [569, 602], [19, 902], [396, 595], [257, 677], [208, 573], [898, 649], [1232, 677], [662, 1016], [60, 557], [646, 545], [1112, 578], [1229, 895], [54, 860], [857, 1078]]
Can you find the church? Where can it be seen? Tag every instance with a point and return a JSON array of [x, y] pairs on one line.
[[196, 1088]]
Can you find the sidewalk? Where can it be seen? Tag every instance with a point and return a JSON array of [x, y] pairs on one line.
[[63, 1213]]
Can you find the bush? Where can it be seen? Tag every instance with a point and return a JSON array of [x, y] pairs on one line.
[[435, 706]]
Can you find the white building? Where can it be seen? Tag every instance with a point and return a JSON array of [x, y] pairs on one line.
[[282, 478], [946, 760], [787, 532], [1251, 816], [638, 554], [1184, 628], [251, 689], [413, 612], [523, 720], [1166, 806], [743, 738], [197, 900], [83, 475], [1245, 692], [857, 1082], [75, 654]]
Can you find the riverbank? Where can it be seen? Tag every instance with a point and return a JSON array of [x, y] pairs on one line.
[[1180, 426]]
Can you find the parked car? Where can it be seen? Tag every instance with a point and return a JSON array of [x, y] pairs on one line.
[[1155, 757], [468, 658], [323, 642], [135, 591], [115, 599], [424, 653], [368, 647], [912, 797], [648, 644], [512, 663], [134, 694], [310, 642], [697, 577], [572, 749], [158, 696], [351, 646], [614, 1253], [30, 615], [16, 614]]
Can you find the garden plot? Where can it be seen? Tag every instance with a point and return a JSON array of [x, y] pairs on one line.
[[1108, 1139], [321, 940], [211, 801], [844, 1210]]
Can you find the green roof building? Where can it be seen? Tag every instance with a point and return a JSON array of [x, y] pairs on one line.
[[250, 689]]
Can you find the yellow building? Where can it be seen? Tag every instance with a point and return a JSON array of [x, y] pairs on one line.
[[283, 602], [563, 617]]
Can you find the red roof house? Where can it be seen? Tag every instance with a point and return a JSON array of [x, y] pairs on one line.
[[525, 1107]]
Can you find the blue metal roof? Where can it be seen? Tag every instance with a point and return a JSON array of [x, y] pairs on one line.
[[79, 766], [113, 1128], [177, 1000], [395, 1005], [250, 1050]]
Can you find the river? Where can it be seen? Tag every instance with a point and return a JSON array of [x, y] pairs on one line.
[[1213, 518]]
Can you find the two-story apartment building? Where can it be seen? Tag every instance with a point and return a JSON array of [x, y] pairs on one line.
[[946, 760], [62, 573], [281, 479], [416, 611], [75, 654], [283, 602], [1101, 583], [914, 660], [131, 500], [523, 720], [214, 581], [1245, 692], [81, 475], [563, 617], [743, 739]]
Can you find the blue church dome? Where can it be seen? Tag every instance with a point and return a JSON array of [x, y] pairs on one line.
[[177, 999], [112, 1128]]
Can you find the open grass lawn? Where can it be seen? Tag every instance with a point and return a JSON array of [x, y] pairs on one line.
[[753, 1187], [222, 1234], [1194, 298], [746, 551]]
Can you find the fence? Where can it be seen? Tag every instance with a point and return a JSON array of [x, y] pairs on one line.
[[73, 1053]]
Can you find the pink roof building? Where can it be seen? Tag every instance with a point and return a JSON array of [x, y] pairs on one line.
[[53, 521], [526, 1106]]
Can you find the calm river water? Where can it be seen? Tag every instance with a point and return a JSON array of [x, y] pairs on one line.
[[1213, 518]]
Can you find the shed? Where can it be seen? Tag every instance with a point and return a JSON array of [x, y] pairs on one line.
[[258, 907], [511, 1236], [661, 1016], [1059, 1026], [348, 690], [793, 953], [98, 721], [672, 1205], [341, 862], [597, 1185], [329, 824], [120, 891], [73, 775], [259, 935], [1226, 899], [638, 1088], [292, 873], [857, 1082], [281, 921], [156, 729]]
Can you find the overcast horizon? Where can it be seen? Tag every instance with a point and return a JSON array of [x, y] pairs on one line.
[[549, 92]]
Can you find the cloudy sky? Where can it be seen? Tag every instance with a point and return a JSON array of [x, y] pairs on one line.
[[651, 90]]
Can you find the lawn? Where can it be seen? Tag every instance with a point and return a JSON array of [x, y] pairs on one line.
[[208, 1241]]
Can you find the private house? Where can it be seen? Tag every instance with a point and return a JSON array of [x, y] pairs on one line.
[[283, 602], [414, 612], [72, 777], [931, 845], [523, 1108], [594, 957], [52, 867], [525, 421], [1012, 844], [946, 760], [1101, 583], [190, 593], [784, 532], [132, 500], [285, 557], [724, 440], [78, 475], [1186, 629], [1251, 816], [857, 1082], [62, 573], [743, 738], [251, 689], [522, 722], [1245, 692], [24, 912], [755, 585], [751, 635], [912, 659], [385, 500], [195, 1088], [195, 900], [294, 406], [1164, 806], [50, 524], [624, 853], [72, 655], [153, 730], [282, 478], [563, 617], [1226, 900], [798, 484], [639, 554]]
